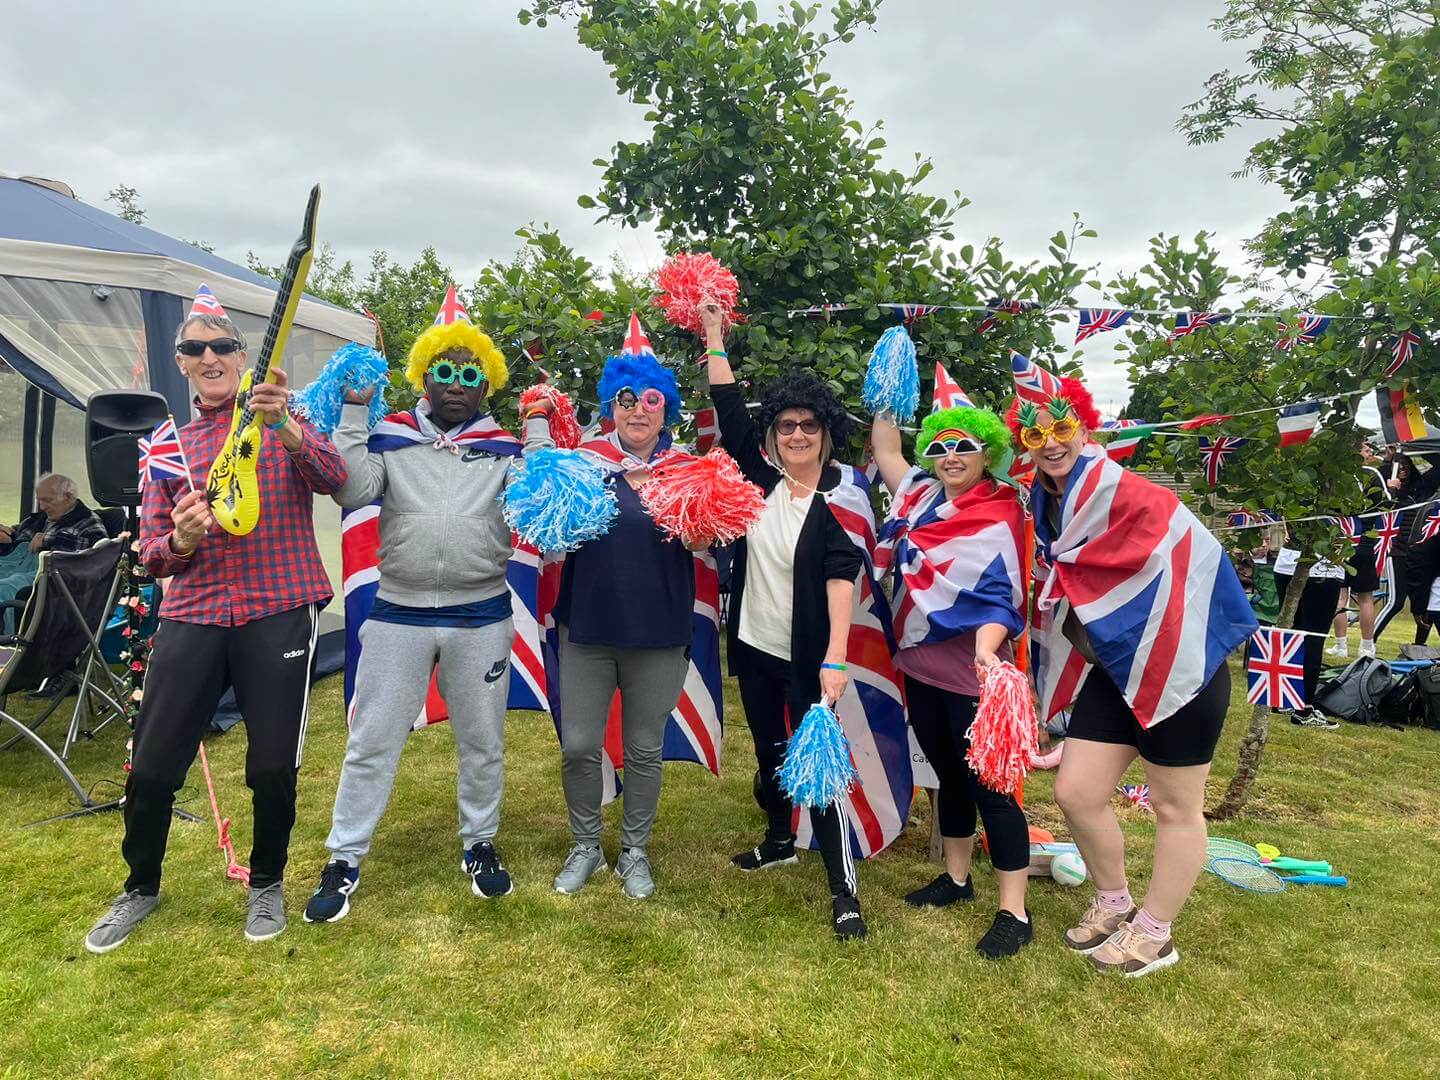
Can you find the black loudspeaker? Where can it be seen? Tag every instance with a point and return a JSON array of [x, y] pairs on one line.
[[115, 422]]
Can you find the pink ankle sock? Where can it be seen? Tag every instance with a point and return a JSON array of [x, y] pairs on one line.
[[1151, 925], [1115, 899]]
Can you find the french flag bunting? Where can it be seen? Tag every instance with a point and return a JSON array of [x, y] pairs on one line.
[[1098, 320], [1298, 422], [1276, 669]]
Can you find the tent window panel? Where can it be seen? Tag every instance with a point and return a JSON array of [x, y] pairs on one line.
[[88, 337]]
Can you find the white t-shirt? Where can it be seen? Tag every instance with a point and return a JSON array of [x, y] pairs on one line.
[[1288, 558], [767, 608]]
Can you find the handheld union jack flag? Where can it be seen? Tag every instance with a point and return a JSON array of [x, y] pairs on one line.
[[162, 455], [1402, 349], [1215, 452], [1387, 528], [1306, 330], [1098, 320], [1187, 322], [1276, 669]]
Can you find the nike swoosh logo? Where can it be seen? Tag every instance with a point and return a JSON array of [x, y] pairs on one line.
[[496, 671]]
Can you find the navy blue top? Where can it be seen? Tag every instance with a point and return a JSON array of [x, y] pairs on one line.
[[469, 616], [636, 589]]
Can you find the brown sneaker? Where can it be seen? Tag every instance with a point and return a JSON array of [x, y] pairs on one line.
[[1133, 953], [1095, 927]]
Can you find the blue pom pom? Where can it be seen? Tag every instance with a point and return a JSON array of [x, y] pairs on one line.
[[557, 500], [817, 770], [351, 367], [892, 378]]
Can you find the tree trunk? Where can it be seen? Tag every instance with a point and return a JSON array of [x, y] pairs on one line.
[[937, 848], [1252, 746]]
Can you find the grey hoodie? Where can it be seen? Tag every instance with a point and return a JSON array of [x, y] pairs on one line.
[[443, 540]]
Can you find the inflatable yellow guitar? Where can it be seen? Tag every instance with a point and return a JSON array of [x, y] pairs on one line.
[[232, 488]]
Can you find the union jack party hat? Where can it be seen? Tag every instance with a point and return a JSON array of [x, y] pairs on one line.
[[205, 303], [451, 310]]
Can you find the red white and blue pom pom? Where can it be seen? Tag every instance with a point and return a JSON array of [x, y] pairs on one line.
[[701, 500], [1003, 736], [817, 770], [687, 281], [564, 428], [892, 378], [350, 367], [557, 500]]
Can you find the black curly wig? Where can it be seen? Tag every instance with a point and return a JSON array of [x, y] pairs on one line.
[[802, 390]]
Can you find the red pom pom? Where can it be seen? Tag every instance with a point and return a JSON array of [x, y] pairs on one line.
[[686, 281], [1003, 741], [701, 500], [564, 428]]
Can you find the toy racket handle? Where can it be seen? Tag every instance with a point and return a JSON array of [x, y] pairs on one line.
[[1314, 879], [1301, 865]]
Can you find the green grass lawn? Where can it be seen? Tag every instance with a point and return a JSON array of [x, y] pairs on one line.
[[720, 973]]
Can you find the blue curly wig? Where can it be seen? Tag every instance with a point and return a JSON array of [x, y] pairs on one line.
[[639, 373]]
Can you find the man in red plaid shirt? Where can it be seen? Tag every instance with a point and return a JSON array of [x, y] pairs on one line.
[[239, 611]]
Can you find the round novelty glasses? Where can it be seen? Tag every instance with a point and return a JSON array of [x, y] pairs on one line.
[[469, 375], [650, 400], [1062, 431]]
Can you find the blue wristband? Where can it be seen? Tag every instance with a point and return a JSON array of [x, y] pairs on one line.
[[832, 667]]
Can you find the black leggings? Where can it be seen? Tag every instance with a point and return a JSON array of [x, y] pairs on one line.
[[268, 662], [768, 685], [940, 719]]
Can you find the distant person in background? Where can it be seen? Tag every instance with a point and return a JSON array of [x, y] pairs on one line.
[[63, 522], [1362, 576], [1412, 566]]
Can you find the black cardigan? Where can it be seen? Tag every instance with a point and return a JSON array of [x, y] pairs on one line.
[[823, 552]]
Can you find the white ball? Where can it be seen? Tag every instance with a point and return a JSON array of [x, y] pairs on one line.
[[1068, 868]]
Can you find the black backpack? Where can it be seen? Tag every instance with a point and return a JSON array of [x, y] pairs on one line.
[[1427, 682], [1356, 692]]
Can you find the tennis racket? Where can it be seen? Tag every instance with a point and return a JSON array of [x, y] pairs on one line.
[[1253, 877], [1222, 847]]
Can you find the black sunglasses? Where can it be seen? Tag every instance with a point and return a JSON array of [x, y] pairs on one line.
[[220, 347], [810, 426]]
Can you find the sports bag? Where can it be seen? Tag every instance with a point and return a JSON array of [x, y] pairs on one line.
[[1355, 694], [1427, 681]]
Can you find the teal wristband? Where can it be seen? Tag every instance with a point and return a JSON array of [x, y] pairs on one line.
[[283, 421], [718, 352], [832, 667]]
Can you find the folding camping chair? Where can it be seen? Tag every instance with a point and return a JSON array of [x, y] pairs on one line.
[[58, 638]]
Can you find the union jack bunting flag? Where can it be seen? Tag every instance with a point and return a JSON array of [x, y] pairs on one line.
[[1098, 320], [1307, 329], [1215, 452], [1250, 519], [1033, 382], [1402, 349], [1431, 526], [1122, 425], [911, 312], [162, 455], [1276, 669], [1187, 322], [1009, 307], [1350, 528], [1387, 528], [451, 310]]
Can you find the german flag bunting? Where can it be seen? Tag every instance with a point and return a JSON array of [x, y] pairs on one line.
[[1400, 417]]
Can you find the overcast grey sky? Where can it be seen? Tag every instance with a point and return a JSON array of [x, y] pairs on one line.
[[447, 123]]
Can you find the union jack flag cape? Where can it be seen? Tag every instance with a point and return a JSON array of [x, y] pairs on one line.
[[872, 711], [1155, 592], [360, 561], [955, 564]]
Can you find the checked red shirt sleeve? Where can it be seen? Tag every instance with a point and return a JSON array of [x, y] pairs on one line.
[[233, 580]]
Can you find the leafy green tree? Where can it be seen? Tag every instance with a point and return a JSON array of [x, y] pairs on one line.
[[1354, 87], [128, 200], [754, 155]]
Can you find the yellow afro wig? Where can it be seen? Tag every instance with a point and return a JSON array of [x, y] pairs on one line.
[[456, 335]]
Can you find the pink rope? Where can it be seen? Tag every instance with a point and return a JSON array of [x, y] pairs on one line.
[[233, 870]]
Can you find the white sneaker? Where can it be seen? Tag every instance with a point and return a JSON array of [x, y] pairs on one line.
[[1367, 648], [1341, 648]]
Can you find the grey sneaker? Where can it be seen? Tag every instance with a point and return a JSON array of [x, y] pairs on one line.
[[126, 912], [266, 918], [633, 869], [580, 864]]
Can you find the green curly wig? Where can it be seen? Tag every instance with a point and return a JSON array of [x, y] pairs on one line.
[[980, 424]]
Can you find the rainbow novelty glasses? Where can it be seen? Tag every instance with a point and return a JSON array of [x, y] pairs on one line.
[[951, 441]]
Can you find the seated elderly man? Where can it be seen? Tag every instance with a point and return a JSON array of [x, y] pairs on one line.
[[63, 522]]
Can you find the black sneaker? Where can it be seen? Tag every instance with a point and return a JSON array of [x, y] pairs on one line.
[[1312, 717], [769, 853], [1006, 937], [488, 876], [848, 922], [942, 892], [331, 901]]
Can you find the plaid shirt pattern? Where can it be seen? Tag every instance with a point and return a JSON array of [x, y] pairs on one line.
[[233, 580]]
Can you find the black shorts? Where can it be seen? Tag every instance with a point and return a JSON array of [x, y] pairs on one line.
[[1360, 573], [1187, 737]]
